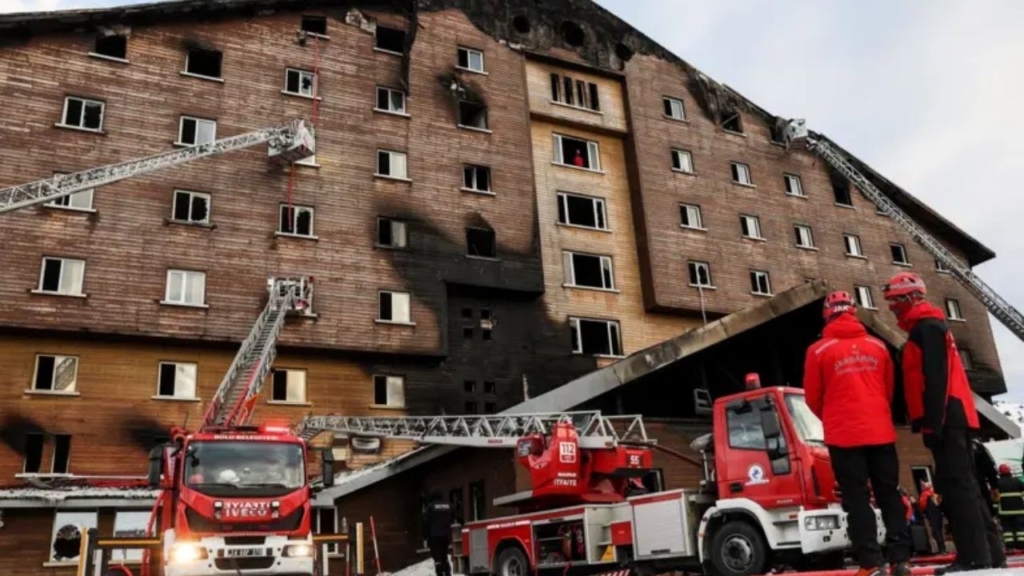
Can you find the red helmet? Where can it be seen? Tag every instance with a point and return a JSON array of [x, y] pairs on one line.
[[1004, 469], [904, 284], [836, 303]]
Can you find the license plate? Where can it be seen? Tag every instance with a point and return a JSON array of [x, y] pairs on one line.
[[245, 552]]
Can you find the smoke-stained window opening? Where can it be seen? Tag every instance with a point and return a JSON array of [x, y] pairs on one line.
[[572, 33], [203, 62], [481, 242], [112, 46], [521, 24], [314, 24], [390, 40]]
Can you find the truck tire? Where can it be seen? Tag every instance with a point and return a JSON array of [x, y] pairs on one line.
[[512, 562], [738, 549]]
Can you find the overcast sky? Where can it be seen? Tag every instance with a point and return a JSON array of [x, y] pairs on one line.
[[925, 91]]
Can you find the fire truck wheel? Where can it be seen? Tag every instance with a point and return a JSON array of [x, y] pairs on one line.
[[512, 562], [738, 549]]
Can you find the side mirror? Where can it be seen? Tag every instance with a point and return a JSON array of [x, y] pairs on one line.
[[328, 462], [770, 425], [156, 466]]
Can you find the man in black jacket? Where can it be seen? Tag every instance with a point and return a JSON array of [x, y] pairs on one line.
[[985, 472], [437, 527], [1011, 508]]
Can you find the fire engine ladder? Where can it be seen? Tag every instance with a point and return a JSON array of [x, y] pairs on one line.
[[289, 143], [233, 403], [492, 431], [996, 305]]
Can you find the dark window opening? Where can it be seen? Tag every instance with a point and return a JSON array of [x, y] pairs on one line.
[[595, 102], [576, 152], [51, 281], [61, 454], [33, 453], [581, 211], [899, 253], [455, 499], [731, 122], [490, 387], [45, 366], [114, 46], [296, 220], [467, 312], [521, 24], [469, 386], [624, 52], [477, 504], [842, 194], [596, 337], [700, 274], [556, 89], [167, 378], [490, 408], [485, 333], [204, 62], [485, 314], [315, 24], [467, 333], [473, 115], [567, 94], [392, 233], [279, 392], [476, 178], [471, 407], [190, 207], [572, 34], [391, 40], [381, 394], [481, 242]]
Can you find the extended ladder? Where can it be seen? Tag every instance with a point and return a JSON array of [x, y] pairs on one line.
[[233, 403], [289, 143], [493, 431], [996, 305]]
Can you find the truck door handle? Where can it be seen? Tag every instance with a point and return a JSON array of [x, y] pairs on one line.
[[735, 487]]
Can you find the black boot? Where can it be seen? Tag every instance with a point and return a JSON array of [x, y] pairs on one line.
[[956, 568]]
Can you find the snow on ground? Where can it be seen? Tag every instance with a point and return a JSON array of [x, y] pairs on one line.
[[425, 568], [1013, 410]]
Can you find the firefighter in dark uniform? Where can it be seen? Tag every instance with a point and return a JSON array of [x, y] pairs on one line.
[[1011, 508], [437, 527]]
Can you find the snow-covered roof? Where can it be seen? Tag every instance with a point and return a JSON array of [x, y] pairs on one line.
[[76, 494]]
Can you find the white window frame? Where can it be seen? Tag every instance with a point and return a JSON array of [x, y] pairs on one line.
[[81, 117], [580, 100], [474, 169], [794, 186], [296, 210], [600, 210], [312, 93], [402, 111], [199, 122], [71, 390], [752, 225], [69, 202], [188, 54], [408, 307], [390, 379], [82, 520], [332, 548], [698, 265], [805, 236], [755, 277], [192, 195], [851, 243], [67, 286], [684, 159], [693, 212], [139, 519], [301, 385], [404, 235], [593, 151], [674, 104], [741, 172], [191, 367], [392, 155], [185, 275], [863, 297], [903, 249], [953, 310], [604, 262], [614, 340], [470, 52]]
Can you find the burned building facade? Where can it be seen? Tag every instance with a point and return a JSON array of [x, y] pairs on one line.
[[505, 196]]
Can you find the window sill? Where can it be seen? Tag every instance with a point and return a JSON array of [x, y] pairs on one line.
[[956, 320], [698, 286], [59, 564], [385, 407], [80, 129], [574, 167], [847, 206], [810, 248], [303, 96], [202, 77], [396, 178], [608, 356], [181, 305], [46, 475], [389, 52], [393, 323], [206, 225], [287, 403], [946, 272], [108, 58], [485, 258], [475, 129], [173, 399], [734, 133], [735, 183], [180, 144], [761, 294], [674, 119], [856, 256], [686, 172], [391, 113], [903, 264], [315, 35], [754, 239], [574, 107], [480, 192], [592, 288], [49, 293], [313, 165], [579, 227], [71, 209], [800, 196], [33, 392], [480, 72], [395, 248], [297, 236], [871, 308]]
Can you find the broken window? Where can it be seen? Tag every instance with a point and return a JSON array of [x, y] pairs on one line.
[[300, 82], [751, 226], [176, 380], [200, 62], [690, 217], [741, 174], [899, 254], [469, 386], [62, 276], [597, 337], [575, 152], [83, 113], [390, 40], [793, 185], [391, 233], [588, 270], [953, 309], [470, 59], [966, 359], [314, 25], [193, 131], [674, 108], [390, 100], [472, 115], [682, 161], [576, 93], [191, 207], [700, 274], [288, 386], [392, 164], [61, 454], [481, 242], [296, 220], [760, 284], [804, 236], [77, 201], [852, 244], [863, 297], [394, 307], [112, 46], [583, 211], [389, 391], [490, 387], [842, 194], [731, 122], [476, 178], [55, 373], [185, 288], [33, 463]]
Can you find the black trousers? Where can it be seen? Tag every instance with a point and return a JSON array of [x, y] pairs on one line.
[[854, 468], [1013, 530], [439, 553], [975, 534], [934, 518]]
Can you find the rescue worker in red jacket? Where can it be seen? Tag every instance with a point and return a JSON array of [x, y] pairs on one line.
[[848, 382], [941, 406]]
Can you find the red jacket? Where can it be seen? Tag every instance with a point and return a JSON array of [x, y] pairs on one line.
[[938, 393], [848, 380]]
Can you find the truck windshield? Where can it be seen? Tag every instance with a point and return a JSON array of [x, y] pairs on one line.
[[224, 468], [807, 425]]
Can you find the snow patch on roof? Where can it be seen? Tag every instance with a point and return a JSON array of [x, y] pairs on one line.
[[61, 494]]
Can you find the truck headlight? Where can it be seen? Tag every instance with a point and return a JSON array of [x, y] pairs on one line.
[[187, 552], [298, 551], [821, 523]]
